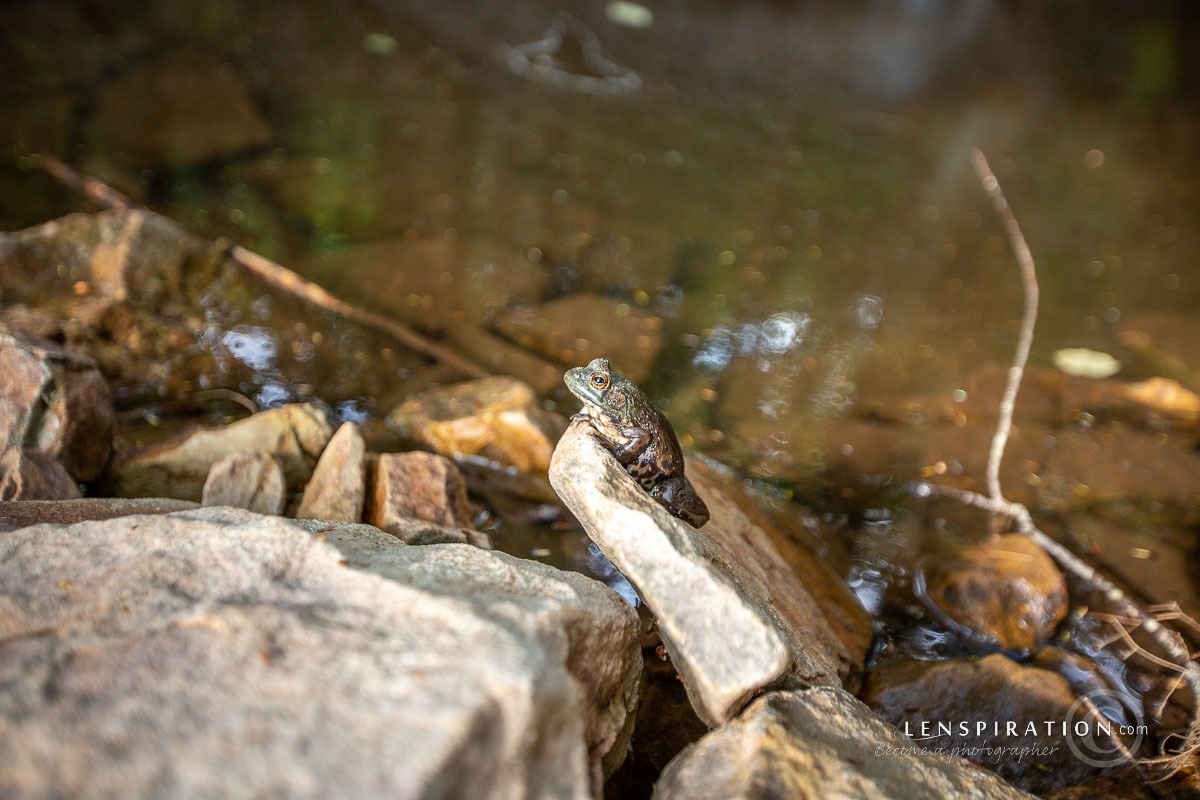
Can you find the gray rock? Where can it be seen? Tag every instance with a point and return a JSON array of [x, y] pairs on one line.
[[295, 434], [250, 479], [23, 513], [338, 486], [733, 617], [34, 475], [818, 743], [220, 653], [56, 402]]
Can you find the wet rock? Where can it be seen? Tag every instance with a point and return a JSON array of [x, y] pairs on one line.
[[580, 327], [250, 479], [338, 485], [733, 617], [1164, 344], [418, 485], [55, 402], [820, 742], [498, 418], [1005, 592], [181, 110], [34, 475], [23, 513], [397, 660], [912, 694], [295, 434]]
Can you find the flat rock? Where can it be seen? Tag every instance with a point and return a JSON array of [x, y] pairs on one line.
[[55, 402], [34, 475], [250, 479], [577, 328], [912, 694], [498, 418], [735, 619], [296, 663], [1005, 592], [418, 485], [819, 742], [183, 109], [338, 486], [23, 513], [295, 434]]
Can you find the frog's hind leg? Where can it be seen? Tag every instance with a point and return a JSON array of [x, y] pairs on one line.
[[679, 497]]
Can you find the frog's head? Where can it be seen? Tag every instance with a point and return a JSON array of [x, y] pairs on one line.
[[599, 387]]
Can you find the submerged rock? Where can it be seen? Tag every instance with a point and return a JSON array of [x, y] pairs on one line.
[[55, 402], [499, 418], [250, 479], [819, 742], [994, 690], [1005, 592], [337, 663], [734, 618], [295, 434], [577, 328]]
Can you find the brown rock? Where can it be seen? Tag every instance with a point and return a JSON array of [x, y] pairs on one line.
[[502, 357], [337, 488], [34, 475], [580, 327], [23, 513], [917, 695], [184, 109], [418, 485], [1006, 592], [295, 434], [819, 743], [498, 418], [250, 479], [55, 402]]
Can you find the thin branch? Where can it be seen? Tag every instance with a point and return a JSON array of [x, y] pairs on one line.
[[276, 275], [1028, 319]]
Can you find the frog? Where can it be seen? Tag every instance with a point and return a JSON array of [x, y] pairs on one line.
[[639, 436]]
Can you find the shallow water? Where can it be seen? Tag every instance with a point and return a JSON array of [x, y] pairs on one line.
[[784, 186]]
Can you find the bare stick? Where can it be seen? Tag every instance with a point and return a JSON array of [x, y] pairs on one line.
[[1028, 319], [276, 275]]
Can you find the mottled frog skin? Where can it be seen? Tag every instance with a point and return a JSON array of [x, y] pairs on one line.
[[639, 435]]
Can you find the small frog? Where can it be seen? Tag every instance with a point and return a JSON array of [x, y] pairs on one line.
[[639, 435]]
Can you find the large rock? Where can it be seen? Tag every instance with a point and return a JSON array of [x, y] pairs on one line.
[[818, 743], [916, 696], [735, 619], [498, 418], [577, 328], [1004, 592], [295, 434], [56, 402], [338, 486], [184, 109], [318, 661]]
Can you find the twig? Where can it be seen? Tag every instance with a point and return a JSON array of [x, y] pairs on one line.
[[275, 274], [1028, 319], [1022, 520]]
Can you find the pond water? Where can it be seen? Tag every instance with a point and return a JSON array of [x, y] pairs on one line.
[[782, 189]]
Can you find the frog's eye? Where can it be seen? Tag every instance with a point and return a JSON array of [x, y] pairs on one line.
[[599, 380]]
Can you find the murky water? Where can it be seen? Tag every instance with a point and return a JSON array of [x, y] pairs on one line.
[[782, 188]]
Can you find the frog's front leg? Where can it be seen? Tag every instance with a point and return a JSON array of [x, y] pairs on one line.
[[636, 440]]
